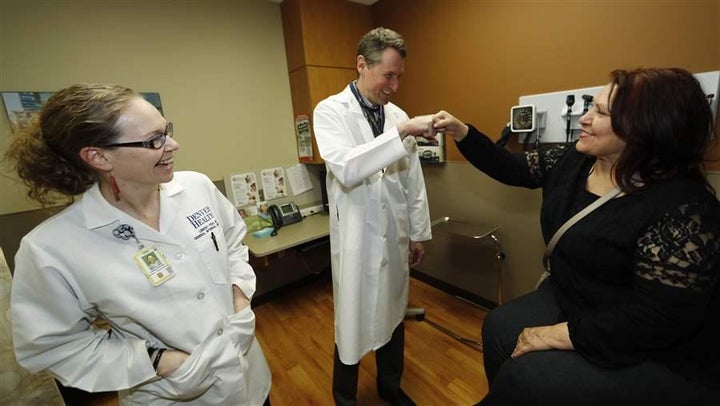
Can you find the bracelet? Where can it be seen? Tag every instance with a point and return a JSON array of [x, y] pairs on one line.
[[152, 353], [156, 360]]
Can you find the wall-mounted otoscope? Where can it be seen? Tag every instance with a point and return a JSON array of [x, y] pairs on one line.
[[569, 101], [587, 100]]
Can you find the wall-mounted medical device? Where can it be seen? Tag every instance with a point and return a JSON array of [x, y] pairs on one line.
[[523, 118], [557, 114], [431, 151]]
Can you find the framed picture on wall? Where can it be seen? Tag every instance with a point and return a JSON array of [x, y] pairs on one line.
[[154, 99], [21, 106]]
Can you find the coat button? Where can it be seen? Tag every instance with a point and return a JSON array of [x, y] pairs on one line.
[[220, 332], [200, 296], [180, 256]]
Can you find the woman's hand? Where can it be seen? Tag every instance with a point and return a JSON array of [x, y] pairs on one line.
[[446, 123], [240, 301], [170, 361], [542, 338]]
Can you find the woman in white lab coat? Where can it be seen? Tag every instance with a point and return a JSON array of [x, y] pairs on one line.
[[156, 255]]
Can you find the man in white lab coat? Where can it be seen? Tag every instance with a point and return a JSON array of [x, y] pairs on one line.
[[378, 214]]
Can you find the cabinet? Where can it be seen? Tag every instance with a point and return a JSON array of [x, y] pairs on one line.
[[285, 270], [321, 39], [299, 252]]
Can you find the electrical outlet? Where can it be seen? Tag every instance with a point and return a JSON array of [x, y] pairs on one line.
[[308, 211]]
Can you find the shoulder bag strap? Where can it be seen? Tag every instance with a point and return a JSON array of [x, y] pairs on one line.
[[574, 219]]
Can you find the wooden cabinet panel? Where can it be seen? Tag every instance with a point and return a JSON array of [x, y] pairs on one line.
[[328, 81], [331, 31], [300, 92], [293, 34], [323, 32]]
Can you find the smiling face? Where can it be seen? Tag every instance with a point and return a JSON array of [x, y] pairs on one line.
[[597, 137], [140, 168], [379, 81]]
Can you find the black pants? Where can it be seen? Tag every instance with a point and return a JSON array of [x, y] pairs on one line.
[[564, 377], [389, 361]]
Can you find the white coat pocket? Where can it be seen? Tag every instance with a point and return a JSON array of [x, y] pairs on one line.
[[191, 380], [241, 327], [214, 256]]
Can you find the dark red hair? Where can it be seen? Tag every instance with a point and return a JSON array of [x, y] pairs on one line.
[[665, 120]]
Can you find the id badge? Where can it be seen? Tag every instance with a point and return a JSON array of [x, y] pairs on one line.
[[154, 265]]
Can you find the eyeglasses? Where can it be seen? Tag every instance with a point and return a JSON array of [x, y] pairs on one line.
[[156, 142]]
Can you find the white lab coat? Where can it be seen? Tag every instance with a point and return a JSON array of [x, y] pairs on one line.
[[378, 204], [71, 270]]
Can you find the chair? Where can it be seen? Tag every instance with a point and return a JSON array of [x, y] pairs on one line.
[[18, 386], [472, 232]]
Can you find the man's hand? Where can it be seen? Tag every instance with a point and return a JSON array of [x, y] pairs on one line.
[[445, 122], [556, 337], [417, 253], [417, 126]]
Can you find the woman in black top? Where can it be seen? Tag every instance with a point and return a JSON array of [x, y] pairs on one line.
[[631, 311]]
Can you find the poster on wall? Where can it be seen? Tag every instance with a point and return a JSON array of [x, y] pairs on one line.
[[243, 189], [304, 138], [20, 107], [299, 179], [273, 182]]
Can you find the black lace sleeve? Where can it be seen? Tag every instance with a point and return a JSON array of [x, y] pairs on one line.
[[675, 277], [678, 251], [542, 160], [525, 169]]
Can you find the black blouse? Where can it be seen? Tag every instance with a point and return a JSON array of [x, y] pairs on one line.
[[637, 279]]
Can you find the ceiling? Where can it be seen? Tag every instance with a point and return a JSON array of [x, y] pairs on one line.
[[365, 2]]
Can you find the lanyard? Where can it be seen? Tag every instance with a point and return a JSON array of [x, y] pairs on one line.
[[374, 115]]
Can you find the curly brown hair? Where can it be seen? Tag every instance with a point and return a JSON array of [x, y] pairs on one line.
[[46, 152]]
